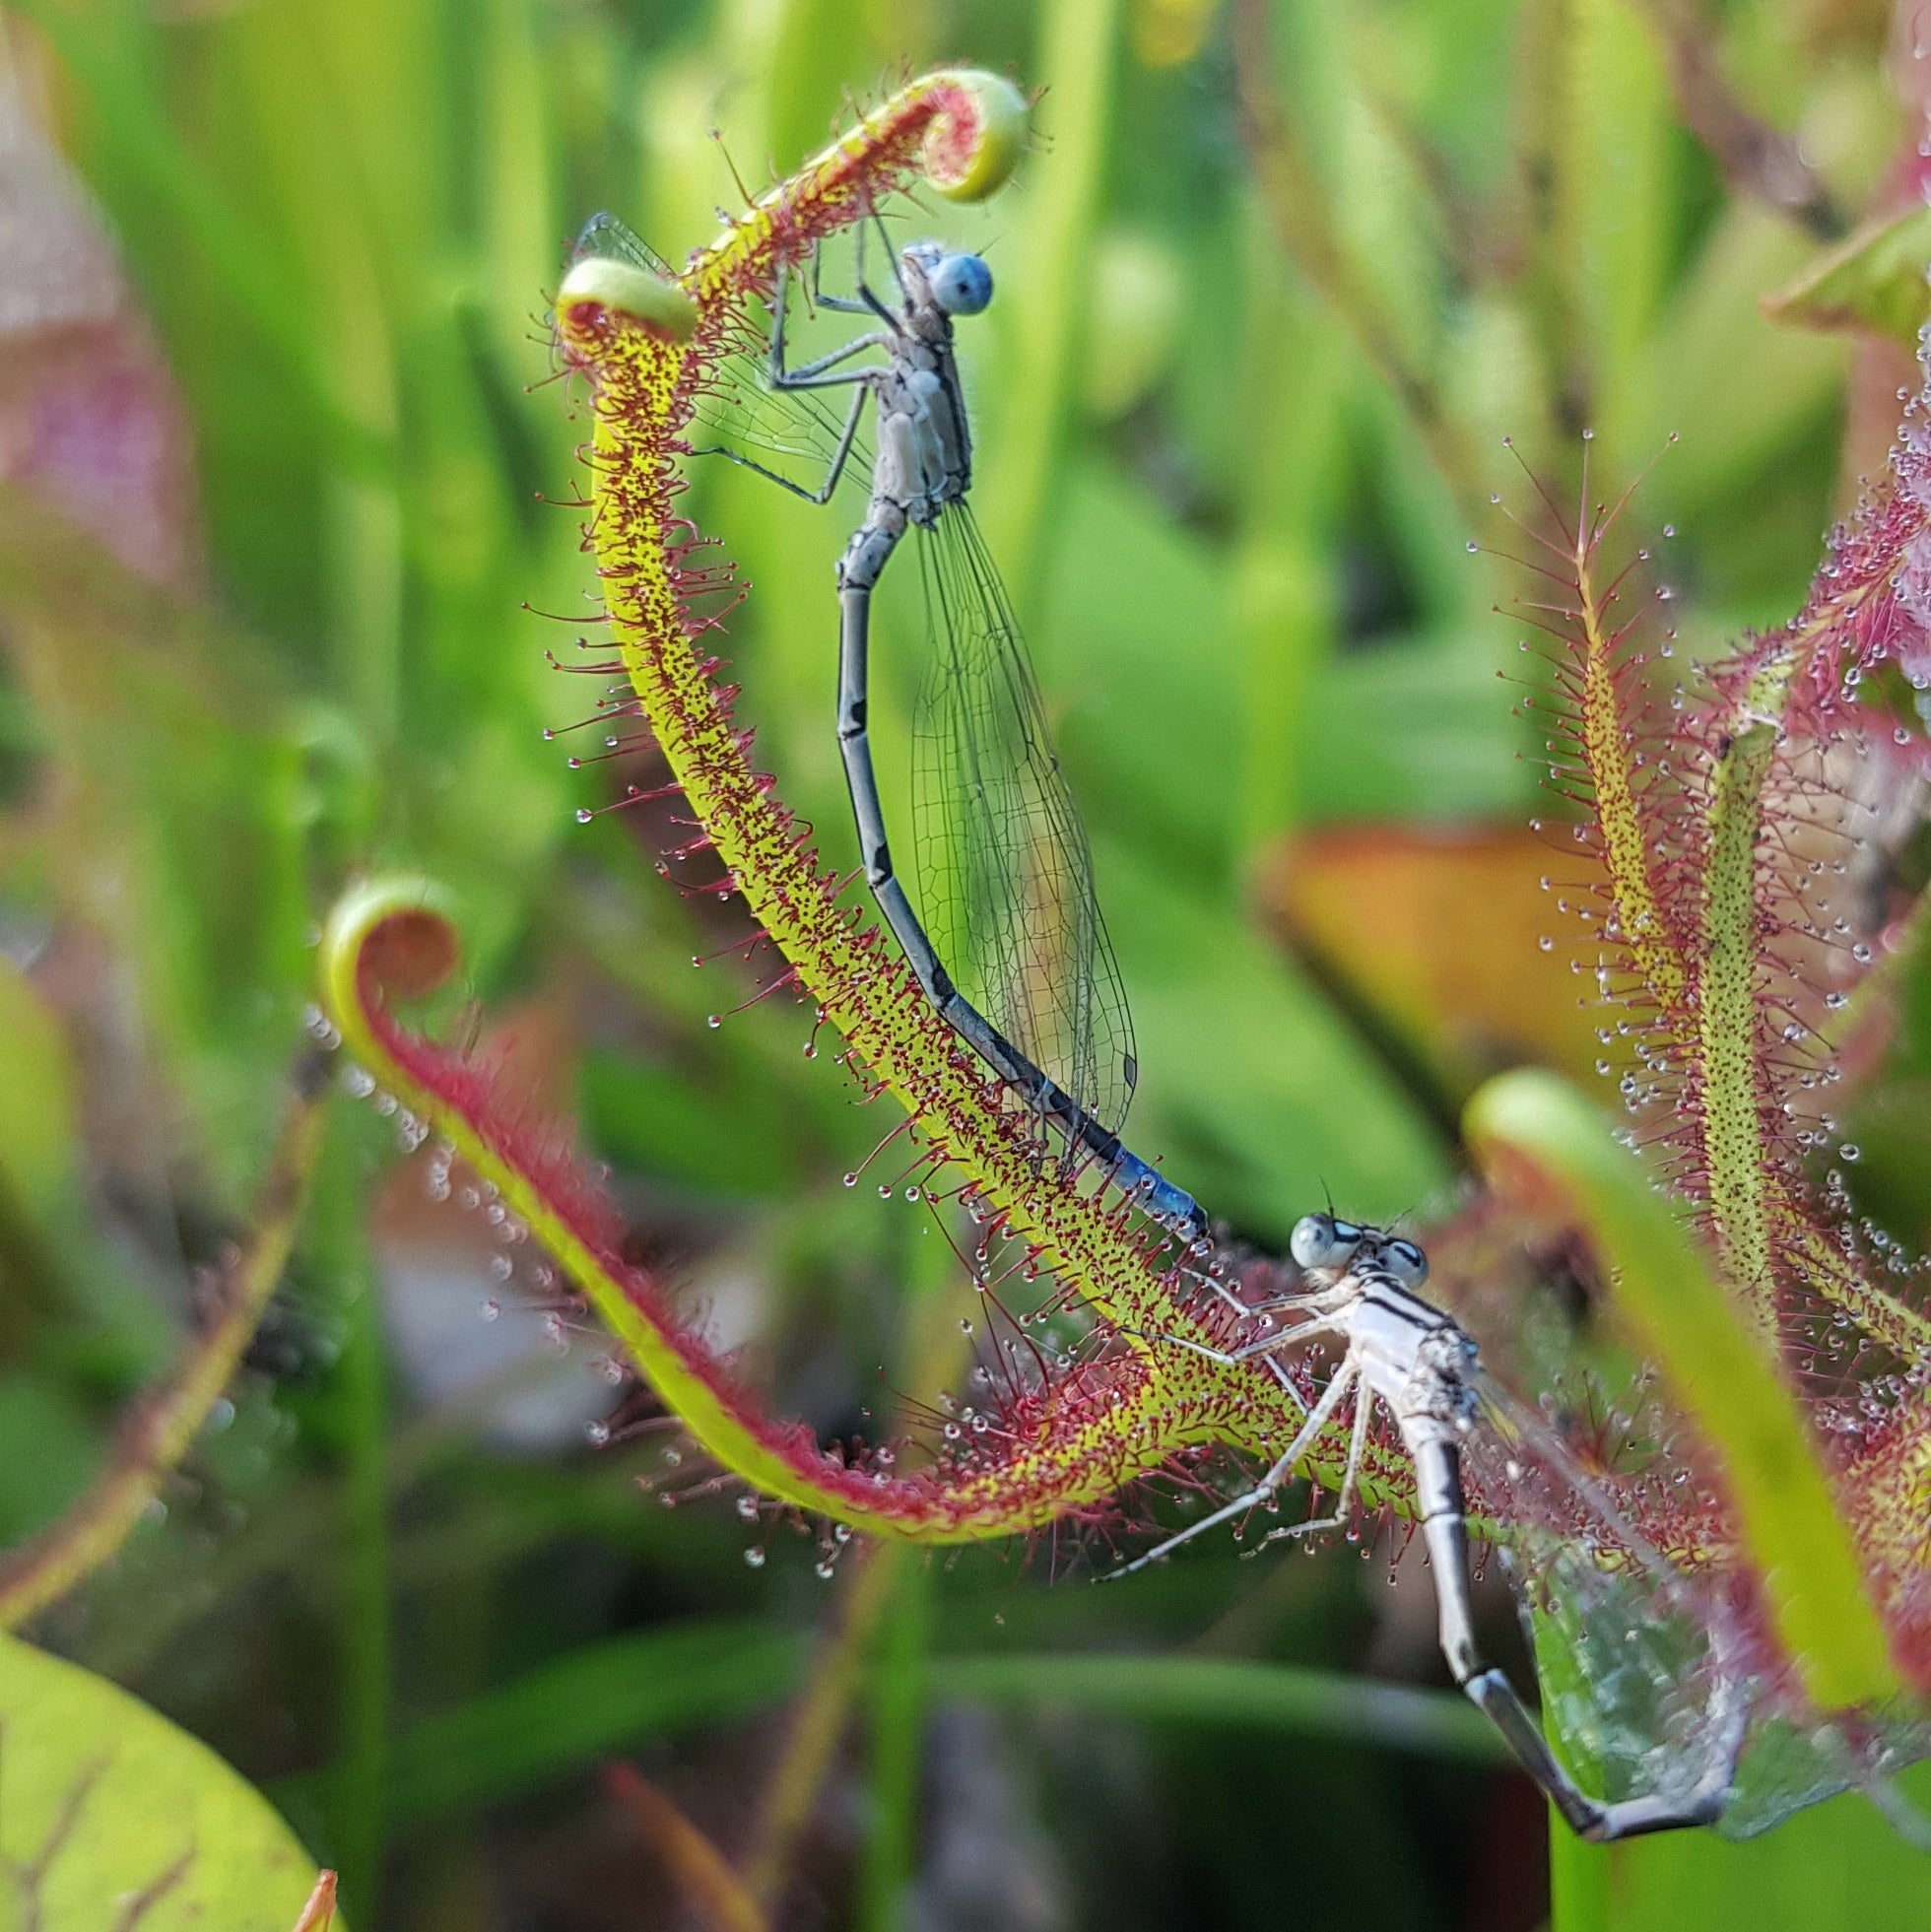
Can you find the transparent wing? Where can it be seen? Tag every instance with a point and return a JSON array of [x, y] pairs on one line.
[[605, 237], [1004, 871], [1648, 1672], [1644, 1673], [738, 408]]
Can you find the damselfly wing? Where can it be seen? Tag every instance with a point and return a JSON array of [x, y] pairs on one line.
[[1005, 873], [1644, 1666], [1649, 1663], [796, 428]]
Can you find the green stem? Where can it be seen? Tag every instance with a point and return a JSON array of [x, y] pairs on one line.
[[899, 1691], [1283, 594], [361, 1415], [161, 1430], [1579, 1882], [1077, 60], [817, 1724], [1236, 1690]]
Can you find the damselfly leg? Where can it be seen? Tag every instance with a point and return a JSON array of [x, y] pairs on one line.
[[1344, 1502], [1445, 1530], [1305, 1436], [810, 375]]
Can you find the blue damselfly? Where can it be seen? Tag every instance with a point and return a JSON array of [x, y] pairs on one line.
[[1008, 940]]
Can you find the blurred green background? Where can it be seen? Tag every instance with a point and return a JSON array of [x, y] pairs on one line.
[[274, 429]]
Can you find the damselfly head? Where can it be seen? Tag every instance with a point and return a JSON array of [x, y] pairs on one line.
[[961, 284]]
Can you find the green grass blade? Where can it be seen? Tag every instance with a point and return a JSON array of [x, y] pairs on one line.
[[588, 1704], [1280, 1697]]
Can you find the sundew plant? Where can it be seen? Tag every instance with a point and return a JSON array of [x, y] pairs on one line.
[[697, 1405], [1709, 911]]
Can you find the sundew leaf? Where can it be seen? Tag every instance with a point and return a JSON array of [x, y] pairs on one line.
[[1537, 1137], [1872, 282], [109, 1815]]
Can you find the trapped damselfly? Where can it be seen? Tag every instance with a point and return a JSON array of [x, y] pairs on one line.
[[1684, 1715]]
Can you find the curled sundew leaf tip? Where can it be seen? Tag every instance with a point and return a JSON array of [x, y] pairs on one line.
[[399, 930], [971, 151], [622, 287]]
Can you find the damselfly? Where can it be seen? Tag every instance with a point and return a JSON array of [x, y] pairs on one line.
[[1665, 1683], [1011, 947]]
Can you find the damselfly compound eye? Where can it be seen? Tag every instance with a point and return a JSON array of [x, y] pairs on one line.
[[1407, 1263], [1319, 1240], [962, 285]]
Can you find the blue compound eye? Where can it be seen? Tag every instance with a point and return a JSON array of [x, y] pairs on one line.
[[962, 285], [1319, 1240], [1408, 1262]]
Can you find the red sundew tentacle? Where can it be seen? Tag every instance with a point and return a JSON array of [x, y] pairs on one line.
[[1064, 1446]]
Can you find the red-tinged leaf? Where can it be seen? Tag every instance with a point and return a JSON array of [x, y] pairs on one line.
[[1448, 933]]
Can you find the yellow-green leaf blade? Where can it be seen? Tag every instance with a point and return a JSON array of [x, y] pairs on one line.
[[105, 1802], [1536, 1135]]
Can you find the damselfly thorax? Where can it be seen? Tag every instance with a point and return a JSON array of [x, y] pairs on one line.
[[923, 458]]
